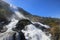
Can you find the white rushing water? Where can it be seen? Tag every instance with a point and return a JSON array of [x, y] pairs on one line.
[[9, 33], [30, 32], [33, 33], [46, 26], [16, 11]]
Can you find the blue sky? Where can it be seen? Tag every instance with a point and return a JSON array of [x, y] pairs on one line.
[[46, 8]]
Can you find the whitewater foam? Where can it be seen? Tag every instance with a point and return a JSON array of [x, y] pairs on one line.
[[46, 26], [33, 33], [16, 11]]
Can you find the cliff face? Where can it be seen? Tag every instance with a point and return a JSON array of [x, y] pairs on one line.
[[6, 14]]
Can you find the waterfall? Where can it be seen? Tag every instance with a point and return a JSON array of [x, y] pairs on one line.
[[33, 33], [46, 26], [8, 35], [17, 14]]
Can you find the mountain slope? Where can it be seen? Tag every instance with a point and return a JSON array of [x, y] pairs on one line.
[[6, 13]]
